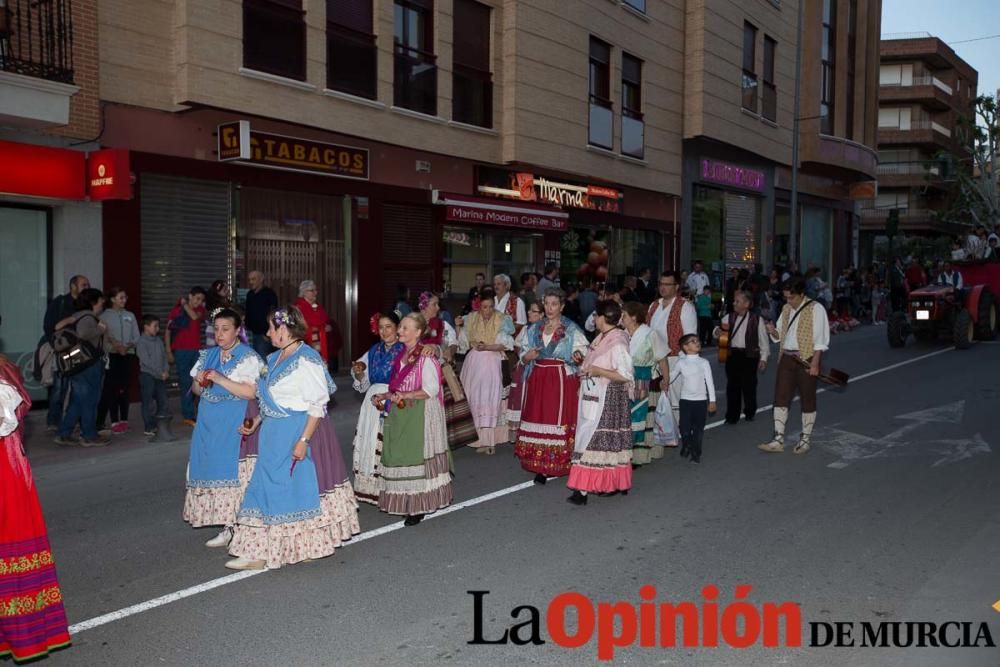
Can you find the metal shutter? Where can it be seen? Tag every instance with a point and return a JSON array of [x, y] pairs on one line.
[[184, 229], [408, 250], [742, 231]]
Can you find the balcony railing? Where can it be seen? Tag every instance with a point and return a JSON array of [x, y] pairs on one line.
[[904, 213], [919, 125], [906, 168], [36, 39], [921, 81]]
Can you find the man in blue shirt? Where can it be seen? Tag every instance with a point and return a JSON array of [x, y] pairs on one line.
[[261, 300]]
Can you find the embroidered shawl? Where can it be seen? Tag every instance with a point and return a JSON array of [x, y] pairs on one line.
[[478, 330], [380, 360]]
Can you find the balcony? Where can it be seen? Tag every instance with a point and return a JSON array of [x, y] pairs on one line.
[[910, 220], [926, 133], [910, 174], [929, 91], [36, 63]]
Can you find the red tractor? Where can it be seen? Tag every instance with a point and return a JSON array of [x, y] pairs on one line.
[[943, 312]]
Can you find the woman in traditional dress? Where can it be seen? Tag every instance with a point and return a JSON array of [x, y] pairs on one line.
[[371, 375], [225, 377], [483, 337], [32, 618], [640, 346], [553, 351], [416, 461], [439, 333], [299, 504], [318, 326], [602, 456], [518, 385]]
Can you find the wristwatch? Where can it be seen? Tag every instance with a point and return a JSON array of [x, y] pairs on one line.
[[304, 439]]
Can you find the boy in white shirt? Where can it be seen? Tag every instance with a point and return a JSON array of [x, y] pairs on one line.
[[697, 395]]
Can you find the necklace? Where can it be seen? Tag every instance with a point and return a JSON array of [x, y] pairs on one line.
[[284, 356], [226, 350]]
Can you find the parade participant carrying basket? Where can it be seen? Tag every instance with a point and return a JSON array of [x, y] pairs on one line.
[[803, 335]]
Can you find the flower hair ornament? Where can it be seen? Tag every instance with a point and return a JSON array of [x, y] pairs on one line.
[[282, 317], [215, 313], [373, 322], [425, 300]]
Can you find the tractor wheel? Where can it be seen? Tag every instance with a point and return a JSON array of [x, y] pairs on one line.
[[897, 329], [963, 330], [986, 325]]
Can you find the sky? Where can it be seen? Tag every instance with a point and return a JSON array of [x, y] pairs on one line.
[[953, 21]]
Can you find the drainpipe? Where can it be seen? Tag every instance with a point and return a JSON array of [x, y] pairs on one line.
[[793, 219]]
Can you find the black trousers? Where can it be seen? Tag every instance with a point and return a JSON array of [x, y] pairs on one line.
[[694, 414], [705, 330], [741, 385], [114, 398]]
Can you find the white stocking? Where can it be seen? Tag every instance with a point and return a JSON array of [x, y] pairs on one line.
[[780, 418]]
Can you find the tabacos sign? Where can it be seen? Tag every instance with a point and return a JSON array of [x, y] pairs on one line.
[[238, 142], [528, 187]]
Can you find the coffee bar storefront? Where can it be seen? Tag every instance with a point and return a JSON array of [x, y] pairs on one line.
[[520, 220], [727, 211]]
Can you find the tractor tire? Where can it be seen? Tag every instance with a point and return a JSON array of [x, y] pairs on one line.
[[963, 330], [986, 324], [897, 329]]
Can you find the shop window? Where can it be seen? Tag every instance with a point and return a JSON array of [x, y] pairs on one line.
[[816, 239], [24, 284], [472, 80], [351, 54], [769, 106], [749, 67], [601, 107], [707, 218], [633, 250], [782, 236], [469, 251], [633, 127], [415, 65], [274, 37]]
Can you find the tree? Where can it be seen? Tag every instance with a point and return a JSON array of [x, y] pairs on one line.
[[975, 198]]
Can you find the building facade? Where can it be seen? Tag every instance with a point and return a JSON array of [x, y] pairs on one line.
[[924, 90], [376, 144], [50, 121], [738, 129]]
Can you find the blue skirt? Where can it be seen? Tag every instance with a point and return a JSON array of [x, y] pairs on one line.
[[276, 494], [215, 445]]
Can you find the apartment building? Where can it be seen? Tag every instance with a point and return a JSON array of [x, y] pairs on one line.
[[924, 89], [50, 211], [376, 144], [738, 128]]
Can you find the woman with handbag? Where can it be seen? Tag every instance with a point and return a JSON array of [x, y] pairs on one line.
[[554, 349], [416, 461], [518, 385], [371, 375], [484, 336]]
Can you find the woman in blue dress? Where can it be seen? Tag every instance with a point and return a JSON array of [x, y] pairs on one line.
[[371, 375], [225, 376], [299, 504]]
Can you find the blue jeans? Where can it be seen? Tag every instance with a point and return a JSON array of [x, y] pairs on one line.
[[57, 395], [186, 359], [84, 394], [153, 391], [262, 345]]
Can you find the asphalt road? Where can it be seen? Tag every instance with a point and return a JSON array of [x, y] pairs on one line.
[[891, 517]]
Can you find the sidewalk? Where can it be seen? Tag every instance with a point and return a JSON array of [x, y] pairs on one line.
[[42, 450]]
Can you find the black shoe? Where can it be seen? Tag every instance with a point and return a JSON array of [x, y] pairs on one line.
[[541, 479], [696, 459], [732, 422], [749, 418], [685, 452], [635, 466], [577, 498], [413, 519]]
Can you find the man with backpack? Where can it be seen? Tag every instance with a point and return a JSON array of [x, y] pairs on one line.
[[59, 309], [80, 346]]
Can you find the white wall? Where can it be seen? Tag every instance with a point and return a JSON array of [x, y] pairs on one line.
[[76, 244]]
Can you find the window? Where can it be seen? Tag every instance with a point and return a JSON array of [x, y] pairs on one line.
[[472, 82], [274, 37], [601, 114], [637, 5], [350, 48], [852, 45], [415, 71], [632, 123], [749, 67], [769, 105], [828, 49]]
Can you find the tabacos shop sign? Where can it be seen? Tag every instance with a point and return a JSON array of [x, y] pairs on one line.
[[528, 187], [239, 142]]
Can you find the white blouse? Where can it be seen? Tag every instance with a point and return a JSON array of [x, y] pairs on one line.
[[428, 378], [247, 371], [364, 383], [303, 387], [821, 330], [9, 400], [580, 344]]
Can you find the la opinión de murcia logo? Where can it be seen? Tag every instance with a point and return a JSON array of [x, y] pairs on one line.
[[706, 624]]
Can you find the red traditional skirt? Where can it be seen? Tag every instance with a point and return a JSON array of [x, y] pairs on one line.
[[32, 618], [548, 420]]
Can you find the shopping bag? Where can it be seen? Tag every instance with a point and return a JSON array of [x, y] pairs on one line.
[[665, 431]]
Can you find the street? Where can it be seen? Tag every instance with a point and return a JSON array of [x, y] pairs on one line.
[[890, 517]]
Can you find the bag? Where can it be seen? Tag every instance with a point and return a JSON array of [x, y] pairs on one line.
[[42, 365], [458, 420], [73, 354], [665, 433], [448, 371]]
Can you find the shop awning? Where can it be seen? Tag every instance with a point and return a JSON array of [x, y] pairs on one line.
[[485, 211], [61, 173]]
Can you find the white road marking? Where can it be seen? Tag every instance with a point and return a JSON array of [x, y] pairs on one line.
[[837, 465], [111, 617]]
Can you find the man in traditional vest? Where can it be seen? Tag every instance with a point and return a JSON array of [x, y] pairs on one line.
[[803, 333], [508, 303], [670, 317], [749, 349]]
